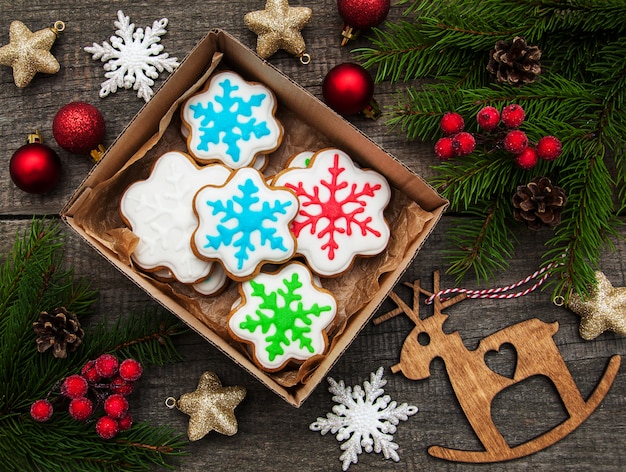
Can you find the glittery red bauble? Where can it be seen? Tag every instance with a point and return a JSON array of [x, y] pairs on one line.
[[78, 127], [348, 88], [363, 14], [35, 168]]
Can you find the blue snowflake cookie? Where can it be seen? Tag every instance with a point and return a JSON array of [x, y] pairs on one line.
[[283, 316], [231, 122], [244, 223]]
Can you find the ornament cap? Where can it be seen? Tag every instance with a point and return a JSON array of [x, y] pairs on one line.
[[34, 138], [372, 110], [348, 33], [97, 153]]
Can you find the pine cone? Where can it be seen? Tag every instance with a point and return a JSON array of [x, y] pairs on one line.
[[514, 62], [539, 203], [60, 330]]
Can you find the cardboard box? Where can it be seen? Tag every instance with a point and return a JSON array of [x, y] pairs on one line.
[[93, 211]]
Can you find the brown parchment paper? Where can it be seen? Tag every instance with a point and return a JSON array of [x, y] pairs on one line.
[[99, 216]]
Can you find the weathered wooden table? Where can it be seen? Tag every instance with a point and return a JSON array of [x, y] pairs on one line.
[[272, 434]]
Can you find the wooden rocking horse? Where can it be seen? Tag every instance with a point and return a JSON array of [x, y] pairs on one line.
[[476, 385]]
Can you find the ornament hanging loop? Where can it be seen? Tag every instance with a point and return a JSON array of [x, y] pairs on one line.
[[305, 59], [171, 402], [58, 27]]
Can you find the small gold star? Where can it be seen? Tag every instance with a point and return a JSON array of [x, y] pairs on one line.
[[278, 27], [28, 53], [211, 407], [604, 309]]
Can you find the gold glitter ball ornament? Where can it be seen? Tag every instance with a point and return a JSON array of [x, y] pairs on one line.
[[28, 53], [210, 407], [278, 27], [604, 309]]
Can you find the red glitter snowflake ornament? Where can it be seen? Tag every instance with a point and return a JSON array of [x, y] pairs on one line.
[[341, 211]]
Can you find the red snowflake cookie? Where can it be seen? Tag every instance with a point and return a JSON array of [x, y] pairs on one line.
[[341, 211]]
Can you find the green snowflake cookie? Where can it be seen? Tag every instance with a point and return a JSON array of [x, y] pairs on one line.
[[283, 315]]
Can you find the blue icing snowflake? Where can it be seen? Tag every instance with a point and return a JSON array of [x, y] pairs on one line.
[[250, 226], [232, 122]]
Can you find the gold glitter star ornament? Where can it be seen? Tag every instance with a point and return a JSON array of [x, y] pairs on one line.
[[28, 53], [210, 407], [604, 309], [278, 27]]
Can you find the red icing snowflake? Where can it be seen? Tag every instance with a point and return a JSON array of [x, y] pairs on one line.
[[340, 210]]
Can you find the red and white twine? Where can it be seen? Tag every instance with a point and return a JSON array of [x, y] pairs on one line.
[[499, 292]]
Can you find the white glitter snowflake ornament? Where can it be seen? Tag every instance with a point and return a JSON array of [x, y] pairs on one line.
[[133, 58], [364, 418]]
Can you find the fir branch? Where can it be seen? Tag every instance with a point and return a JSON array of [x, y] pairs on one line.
[[483, 243], [579, 97], [33, 279]]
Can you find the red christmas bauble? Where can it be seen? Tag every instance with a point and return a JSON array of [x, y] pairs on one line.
[[363, 14], [35, 168], [78, 127], [348, 88]]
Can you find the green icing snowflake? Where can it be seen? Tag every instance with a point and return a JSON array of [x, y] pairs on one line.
[[286, 322]]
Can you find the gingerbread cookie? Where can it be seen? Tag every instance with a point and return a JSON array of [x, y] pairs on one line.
[[231, 121], [283, 317], [244, 223], [159, 212], [341, 211]]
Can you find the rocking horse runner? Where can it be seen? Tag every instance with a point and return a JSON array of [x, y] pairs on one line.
[[476, 385]]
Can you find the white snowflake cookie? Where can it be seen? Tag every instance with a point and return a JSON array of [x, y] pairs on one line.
[[159, 211], [364, 418], [283, 316], [232, 121], [133, 59], [244, 224], [341, 211]]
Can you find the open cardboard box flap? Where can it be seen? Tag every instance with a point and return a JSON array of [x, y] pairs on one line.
[[155, 127]]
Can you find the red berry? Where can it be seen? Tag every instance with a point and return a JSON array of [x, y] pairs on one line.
[[125, 422], [549, 148], [107, 365], [527, 159], [130, 369], [107, 427], [515, 141], [488, 118], [463, 143], [513, 115], [444, 149], [80, 408], [90, 372], [121, 386], [74, 386], [451, 123], [41, 410], [116, 405]]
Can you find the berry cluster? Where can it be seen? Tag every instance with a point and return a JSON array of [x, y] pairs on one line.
[[103, 381], [461, 143]]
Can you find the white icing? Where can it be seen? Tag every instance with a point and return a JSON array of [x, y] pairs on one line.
[[248, 308], [351, 241], [159, 211], [213, 283], [248, 144], [221, 210], [302, 159]]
